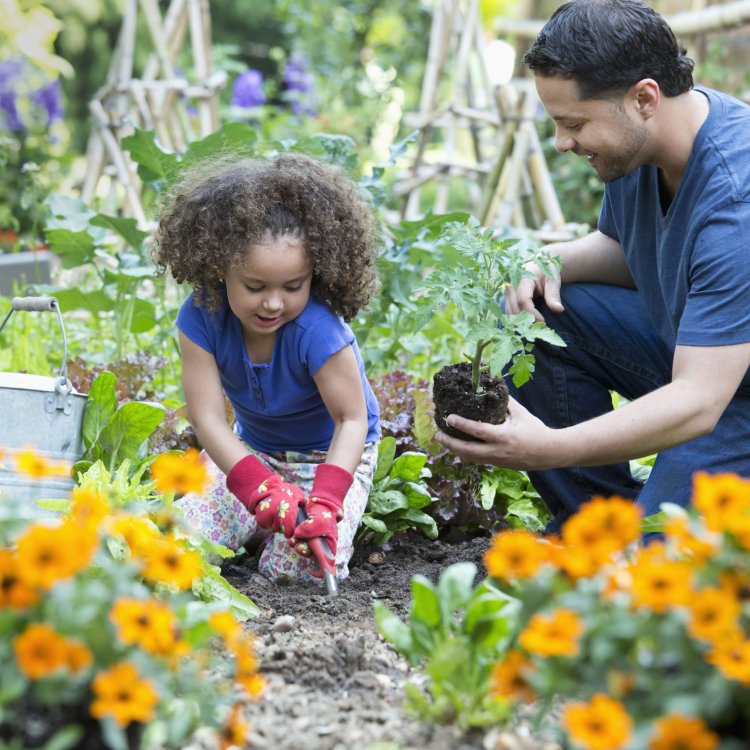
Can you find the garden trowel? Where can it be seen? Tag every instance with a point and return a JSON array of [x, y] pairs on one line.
[[322, 553]]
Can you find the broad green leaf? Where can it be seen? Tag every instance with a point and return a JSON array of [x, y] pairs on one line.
[[68, 737], [101, 404], [74, 248], [74, 298], [127, 430], [153, 162], [426, 524], [232, 137], [126, 228], [417, 495], [212, 586], [386, 454], [425, 605], [408, 466], [393, 629], [456, 585], [144, 316], [375, 524], [387, 501]]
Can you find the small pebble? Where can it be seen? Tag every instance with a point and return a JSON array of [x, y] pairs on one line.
[[376, 558], [283, 624]]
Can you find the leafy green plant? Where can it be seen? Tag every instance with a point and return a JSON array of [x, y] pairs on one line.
[[455, 632], [112, 433], [474, 285], [397, 496]]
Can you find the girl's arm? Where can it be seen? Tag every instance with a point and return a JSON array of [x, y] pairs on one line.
[[206, 406], [340, 388]]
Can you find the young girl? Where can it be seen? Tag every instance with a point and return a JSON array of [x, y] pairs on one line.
[[279, 253]]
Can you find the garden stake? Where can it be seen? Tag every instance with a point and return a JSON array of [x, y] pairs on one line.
[[322, 553]]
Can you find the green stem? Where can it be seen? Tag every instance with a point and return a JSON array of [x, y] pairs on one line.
[[476, 365]]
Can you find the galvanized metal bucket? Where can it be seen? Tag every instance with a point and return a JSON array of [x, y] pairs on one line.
[[41, 413]]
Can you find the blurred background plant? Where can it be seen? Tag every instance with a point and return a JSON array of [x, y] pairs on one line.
[[106, 639]]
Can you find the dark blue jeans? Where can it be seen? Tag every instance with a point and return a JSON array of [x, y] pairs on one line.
[[612, 345]]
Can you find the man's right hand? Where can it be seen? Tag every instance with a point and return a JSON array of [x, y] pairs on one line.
[[521, 298]]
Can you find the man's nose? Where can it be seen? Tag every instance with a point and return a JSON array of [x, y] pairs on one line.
[[563, 142]]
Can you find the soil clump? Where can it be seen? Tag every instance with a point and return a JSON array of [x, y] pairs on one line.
[[452, 393]]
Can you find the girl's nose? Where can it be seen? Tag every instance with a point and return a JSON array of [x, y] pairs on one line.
[[272, 301]]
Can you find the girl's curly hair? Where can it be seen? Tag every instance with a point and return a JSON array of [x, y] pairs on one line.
[[218, 210]]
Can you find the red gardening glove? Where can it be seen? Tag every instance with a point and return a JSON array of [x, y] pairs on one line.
[[324, 508], [274, 502]]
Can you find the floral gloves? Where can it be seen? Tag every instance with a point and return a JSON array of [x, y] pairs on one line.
[[324, 508], [274, 502]]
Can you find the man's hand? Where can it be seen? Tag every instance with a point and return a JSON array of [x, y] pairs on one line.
[[521, 298], [522, 442]]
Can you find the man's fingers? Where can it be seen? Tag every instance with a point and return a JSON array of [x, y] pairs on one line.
[[552, 296], [469, 426]]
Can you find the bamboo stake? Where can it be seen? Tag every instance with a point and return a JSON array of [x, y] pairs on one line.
[[200, 59]]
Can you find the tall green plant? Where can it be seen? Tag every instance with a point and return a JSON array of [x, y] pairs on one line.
[[473, 285]]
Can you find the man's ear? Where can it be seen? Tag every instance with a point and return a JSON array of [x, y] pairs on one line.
[[646, 95]]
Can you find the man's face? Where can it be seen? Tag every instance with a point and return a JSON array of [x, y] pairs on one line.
[[607, 132]]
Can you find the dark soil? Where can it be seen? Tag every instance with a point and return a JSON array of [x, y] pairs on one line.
[[333, 682], [452, 393]]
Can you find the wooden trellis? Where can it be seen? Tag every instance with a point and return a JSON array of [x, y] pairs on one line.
[[504, 169], [157, 100]]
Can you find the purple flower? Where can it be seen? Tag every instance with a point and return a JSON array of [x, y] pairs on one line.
[[11, 118], [49, 98], [297, 76], [247, 91]]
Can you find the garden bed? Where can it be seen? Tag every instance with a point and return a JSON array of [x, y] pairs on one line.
[[333, 682]]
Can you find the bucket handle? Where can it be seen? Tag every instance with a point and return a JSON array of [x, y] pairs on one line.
[[43, 304]]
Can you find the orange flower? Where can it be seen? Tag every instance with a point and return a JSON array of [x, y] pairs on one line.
[[658, 582], [88, 506], [553, 635], [714, 613], [225, 624], [137, 532], [698, 550], [731, 657], [682, 733], [607, 524], [180, 473], [40, 650], [122, 694], [507, 679], [515, 554], [14, 591], [720, 497], [254, 684], [150, 624], [35, 466], [48, 554], [78, 656], [235, 731], [601, 724], [167, 561]]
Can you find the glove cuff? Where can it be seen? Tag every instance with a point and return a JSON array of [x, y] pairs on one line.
[[246, 475], [331, 483]]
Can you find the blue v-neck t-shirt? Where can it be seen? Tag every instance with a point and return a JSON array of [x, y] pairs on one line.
[[277, 405], [691, 263]]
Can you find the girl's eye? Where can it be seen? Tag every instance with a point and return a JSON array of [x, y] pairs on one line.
[[294, 288], [253, 289]]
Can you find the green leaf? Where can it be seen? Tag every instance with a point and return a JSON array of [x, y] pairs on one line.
[[375, 524], [154, 163], [425, 604], [417, 495], [127, 430], [114, 737], [408, 466], [393, 629], [100, 406], [64, 739], [426, 524], [144, 316], [212, 586], [386, 454], [74, 248], [387, 501], [455, 586], [126, 228], [75, 298], [236, 137]]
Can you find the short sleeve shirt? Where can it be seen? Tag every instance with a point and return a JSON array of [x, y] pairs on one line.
[[277, 404], [692, 263]]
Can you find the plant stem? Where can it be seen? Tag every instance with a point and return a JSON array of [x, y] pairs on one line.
[[476, 365]]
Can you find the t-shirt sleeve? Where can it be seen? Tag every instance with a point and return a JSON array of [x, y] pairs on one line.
[[321, 339], [606, 224], [192, 321], [717, 308]]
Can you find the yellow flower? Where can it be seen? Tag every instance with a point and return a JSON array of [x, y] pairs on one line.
[[678, 732], [88, 506], [553, 635], [180, 473], [167, 561], [40, 650], [720, 497], [235, 731], [48, 554], [138, 533], [601, 724], [695, 548], [123, 695], [254, 684], [605, 525], [515, 554], [225, 624], [714, 613], [78, 656], [731, 657], [37, 467], [658, 582], [150, 624], [508, 680], [14, 591]]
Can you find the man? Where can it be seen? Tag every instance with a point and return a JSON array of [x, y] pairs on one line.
[[654, 304]]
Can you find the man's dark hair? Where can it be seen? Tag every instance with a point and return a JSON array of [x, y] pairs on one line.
[[606, 46]]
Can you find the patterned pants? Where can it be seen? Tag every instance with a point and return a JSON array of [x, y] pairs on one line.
[[222, 518]]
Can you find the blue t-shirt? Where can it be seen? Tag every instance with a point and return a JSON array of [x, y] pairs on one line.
[[277, 404], [692, 264]]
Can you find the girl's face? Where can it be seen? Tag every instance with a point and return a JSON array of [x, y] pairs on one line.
[[273, 287]]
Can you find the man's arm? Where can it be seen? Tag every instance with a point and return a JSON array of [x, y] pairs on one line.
[[595, 258], [704, 379]]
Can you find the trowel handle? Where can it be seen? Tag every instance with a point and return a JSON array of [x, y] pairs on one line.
[[322, 553], [34, 304]]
